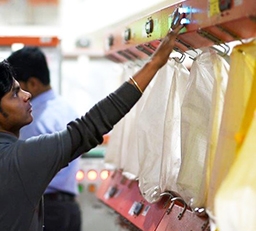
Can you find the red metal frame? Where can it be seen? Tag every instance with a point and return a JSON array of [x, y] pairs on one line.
[[209, 26], [189, 221], [126, 198], [162, 215], [237, 22]]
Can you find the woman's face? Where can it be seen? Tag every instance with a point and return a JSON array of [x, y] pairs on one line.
[[15, 110]]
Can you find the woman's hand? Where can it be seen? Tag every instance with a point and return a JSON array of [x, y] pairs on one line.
[[162, 53], [142, 78]]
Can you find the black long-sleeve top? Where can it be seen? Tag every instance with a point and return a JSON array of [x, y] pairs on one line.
[[27, 167]]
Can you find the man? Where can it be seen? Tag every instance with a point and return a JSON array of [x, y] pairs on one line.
[[51, 113], [27, 167]]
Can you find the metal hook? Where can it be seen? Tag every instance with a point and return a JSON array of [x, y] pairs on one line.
[[125, 55], [189, 47], [221, 53], [123, 180], [113, 58], [167, 193], [200, 212], [144, 50], [172, 204], [130, 56], [179, 60], [182, 58], [216, 40], [150, 46], [135, 56], [114, 173], [232, 34]]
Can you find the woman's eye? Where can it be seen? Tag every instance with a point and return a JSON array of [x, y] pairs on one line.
[[15, 94]]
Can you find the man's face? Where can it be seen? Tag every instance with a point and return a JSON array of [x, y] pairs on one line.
[[15, 110]]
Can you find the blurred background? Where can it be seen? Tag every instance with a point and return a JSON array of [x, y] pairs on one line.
[[79, 70], [72, 35], [78, 24]]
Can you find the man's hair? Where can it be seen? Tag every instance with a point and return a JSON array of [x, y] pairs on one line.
[[6, 78], [28, 62]]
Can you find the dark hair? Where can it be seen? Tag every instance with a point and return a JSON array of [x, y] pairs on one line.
[[28, 62], [6, 78]]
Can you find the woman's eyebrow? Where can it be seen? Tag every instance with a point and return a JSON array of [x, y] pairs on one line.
[[15, 88]]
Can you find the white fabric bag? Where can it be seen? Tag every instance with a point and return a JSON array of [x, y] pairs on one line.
[[171, 151], [130, 151], [151, 131], [122, 150], [114, 156], [200, 118]]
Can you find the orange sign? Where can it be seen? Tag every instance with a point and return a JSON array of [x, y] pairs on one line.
[[27, 40], [38, 2]]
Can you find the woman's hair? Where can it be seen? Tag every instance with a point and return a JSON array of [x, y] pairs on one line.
[[7, 76], [30, 61]]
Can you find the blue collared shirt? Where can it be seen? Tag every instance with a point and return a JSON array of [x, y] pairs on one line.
[[52, 113]]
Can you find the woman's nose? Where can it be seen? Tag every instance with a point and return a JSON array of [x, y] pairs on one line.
[[26, 95]]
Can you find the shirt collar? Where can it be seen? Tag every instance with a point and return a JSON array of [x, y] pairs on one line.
[[45, 96]]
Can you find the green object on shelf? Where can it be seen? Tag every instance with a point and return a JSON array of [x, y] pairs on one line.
[[80, 188], [97, 152]]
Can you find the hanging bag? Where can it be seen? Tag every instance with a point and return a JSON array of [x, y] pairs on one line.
[[159, 111], [239, 90], [200, 120]]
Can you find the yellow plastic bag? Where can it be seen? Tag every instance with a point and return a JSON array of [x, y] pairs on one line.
[[235, 201], [237, 114]]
